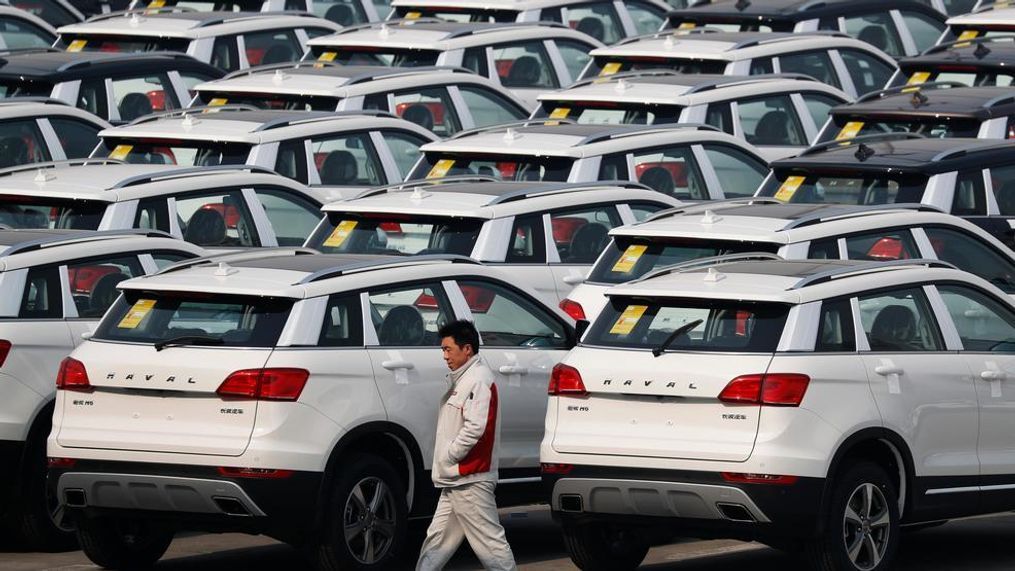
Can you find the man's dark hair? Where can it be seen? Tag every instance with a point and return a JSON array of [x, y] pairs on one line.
[[463, 332]]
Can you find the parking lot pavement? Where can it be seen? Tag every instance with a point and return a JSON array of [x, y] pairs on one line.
[[983, 544]]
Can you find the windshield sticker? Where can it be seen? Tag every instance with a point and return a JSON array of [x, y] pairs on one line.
[[560, 113], [918, 78], [327, 56], [968, 35], [77, 45], [137, 313], [121, 152], [157, 3], [789, 187], [627, 320], [631, 256], [441, 168], [686, 26], [610, 68], [849, 131], [340, 233], [218, 102], [413, 15]]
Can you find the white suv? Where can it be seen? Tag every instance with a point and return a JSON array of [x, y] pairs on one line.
[[546, 234], [54, 287], [805, 404], [271, 392]]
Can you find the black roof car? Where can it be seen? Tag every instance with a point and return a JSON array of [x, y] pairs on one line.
[[986, 61], [904, 154], [52, 66], [782, 15]]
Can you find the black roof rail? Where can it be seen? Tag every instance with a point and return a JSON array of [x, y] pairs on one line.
[[139, 12], [33, 99], [666, 33], [303, 117], [64, 163], [388, 23], [964, 43], [848, 211], [734, 80], [400, 71], [196, 110], [188, 171], [237, 16], [706, 205], [22, 51], [903, 88], [706, 262], [999, 100], [355, 267], [623, 75], [550, 188], [866, 268], [965, 149], [241, 256], [102, 58], [631, 130], [79, 237], [493, 27], [508, 125], [874, 138], [254, 70], [419, 183], [783, 38]]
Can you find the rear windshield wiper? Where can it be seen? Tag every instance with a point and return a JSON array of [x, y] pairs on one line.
[[673, 336], [188, 340]]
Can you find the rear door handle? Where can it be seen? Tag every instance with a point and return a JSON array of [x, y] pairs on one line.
[[993, 375], [392, 365], [513, 370], [885, 370]]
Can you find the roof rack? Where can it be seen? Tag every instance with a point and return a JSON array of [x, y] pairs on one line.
[[253, 70], [874, 137], [867, 268], [188, 171], [400, 71], [32, 99], [903, 88], [139, 12], [508, 125], [192, 111], [625, 75], [537, 189], [355, 267], [245, 255], [631, 130], [666, 33], [80, 236], [493, 27], [419, 183], [238, 16], [304, 117], [733, 80], [838, 212], [20, 51], [999, 100], [972, 146], [963, 43], [63, 163], [765, 40], [706, 205], [705, 262], [389, 24], [101, 57]]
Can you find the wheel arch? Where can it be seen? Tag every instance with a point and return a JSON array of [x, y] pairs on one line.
[[884, 447]]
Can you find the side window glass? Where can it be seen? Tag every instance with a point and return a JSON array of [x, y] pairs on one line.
[[816, 64], [970, 194], [219, 219], [19, 35], [671, 171], [42, 298], [275, 46], [597, 19], [899, 321], [383, 8], [771, 121], [431, 109], [347, 160], [835, 327], [77, 138], [760, 66], [1003, 181], [924, 29], [505, 318], [138, 96], [739, 174], [376, 102], [613, 167], [984, 324], [404, 147], [646, 17], [343, 322], [818, 105], [165, 259], [488, 107], [291, 161], [191, 80], [877, 30], [524, 65], [551, 15], [527, 240], [827, 249], [972, 255], [868, 73], [410, 316], [882, 246], [152, 214], [224, 54], [720, 117], [581, 234], [474, 59], [576, 56], [93, 282], [92, 97], [292, 217], [22, 143], [643, 210], [343, 12]]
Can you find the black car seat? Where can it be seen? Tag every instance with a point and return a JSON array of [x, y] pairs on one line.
[[772, 129], [13, 152], [206, 227], [339, 168], [134, 105], [1006, 198], [875, 36], [340, 14], [659, 179], [419, 115], [587, 243], [278, 53], [524, 72], [593, 27], [402, 326], [894, 329], [104, 293]]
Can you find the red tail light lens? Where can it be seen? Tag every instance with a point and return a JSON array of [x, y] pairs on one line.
[[5, 349], [573, 308], [773, 389], [61, 462], [281, 384], [73, 376], [566, 380], [254, 473], [770, 479], [561, 469]]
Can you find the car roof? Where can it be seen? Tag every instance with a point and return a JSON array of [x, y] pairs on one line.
[[947, 101], [987, 16], [487, 198], [55, 65], [671, 88], [983, 52], [16, 107], [516, 5], [920, 155], [793, 10], [432, 34], [176, 23], [31, 247]]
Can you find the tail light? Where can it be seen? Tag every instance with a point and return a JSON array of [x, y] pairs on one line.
[[281, 384], [772, 389], [573, 308], [566, 380], [72, 376], [5, 349], [770, 479], [254, 473], [561, 469], [61, 463]]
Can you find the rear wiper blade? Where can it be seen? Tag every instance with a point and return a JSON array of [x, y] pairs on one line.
[[188, 340], [673, 336]]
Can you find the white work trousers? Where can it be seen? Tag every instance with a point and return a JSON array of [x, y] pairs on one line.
[[470, 512]]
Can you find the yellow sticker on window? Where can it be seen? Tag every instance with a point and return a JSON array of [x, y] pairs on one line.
[[136, 313], [631, 256], [849, 131], [327, 56], [441, 168], [218, 102], [968, 35], [157, 3], [686, 26], [121, 152], [789, 187], [560, 113], [627, 320], [77, 45], [413, 15], [611, 68], [918, 78], [340, 233]]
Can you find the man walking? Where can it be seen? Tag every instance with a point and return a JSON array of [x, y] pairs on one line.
[[465, 459]]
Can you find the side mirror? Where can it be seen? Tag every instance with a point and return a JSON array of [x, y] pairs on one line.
[[580, 327]]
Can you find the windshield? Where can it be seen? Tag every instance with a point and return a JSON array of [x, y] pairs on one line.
[[725, 326], [125, 44], [847, 188], [172, 152], [609, 65], [235, 321], [931, 127], [267, 100], [44, 212], [501, 167], [398, 234], [630, 257], [608, 113], [376, 55], [19, 87]]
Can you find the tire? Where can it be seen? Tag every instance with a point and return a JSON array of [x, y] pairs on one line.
[[599, 547], [36, 513], [863, 512], [377, 525], [123, 543]]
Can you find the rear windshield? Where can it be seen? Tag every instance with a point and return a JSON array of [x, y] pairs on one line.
[[725, 326], [124, 44], [207, 319], [268, 100], [627, 258], [171, 152], [395, 234], [846, 188], [938, 128], [21, 87], [501, 167], [35, 213], [454, 14], [377, 55], [608, 112], [609, 65], [970, 76]]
